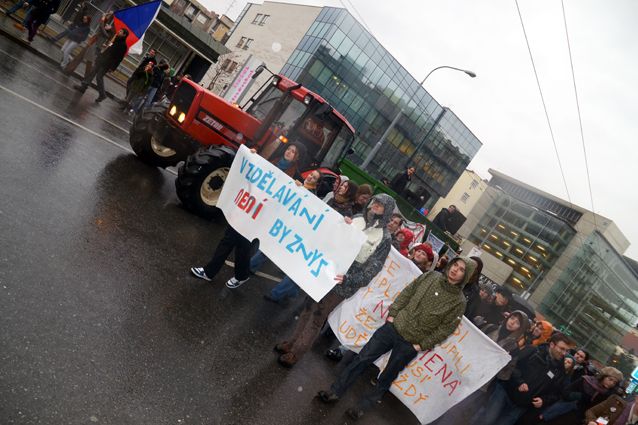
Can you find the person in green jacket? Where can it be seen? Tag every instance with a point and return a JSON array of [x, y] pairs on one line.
[[426, 312]]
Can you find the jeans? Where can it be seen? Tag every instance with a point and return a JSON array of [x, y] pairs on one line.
[[231, 240], [558, 409], [386, 338], [257, 261], [499, 409], [150, 95], [284, 289], [67, 49]]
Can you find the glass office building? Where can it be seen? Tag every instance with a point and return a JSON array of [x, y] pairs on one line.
[[346, 65], [595, 298], [521, 234]]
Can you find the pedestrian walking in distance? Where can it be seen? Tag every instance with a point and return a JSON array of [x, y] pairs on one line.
[[107, 61], [76, 35]]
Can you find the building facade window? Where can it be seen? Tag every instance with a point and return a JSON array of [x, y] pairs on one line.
[[247, 43], [241, 42], [263, 20], [474, 184], [465, 197], [229, 65], [202, 19], [594, 299], [257, 18]]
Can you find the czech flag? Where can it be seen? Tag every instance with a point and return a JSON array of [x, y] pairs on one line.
[[136, 19]]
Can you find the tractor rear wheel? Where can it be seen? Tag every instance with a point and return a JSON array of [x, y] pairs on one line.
[[200, 179]]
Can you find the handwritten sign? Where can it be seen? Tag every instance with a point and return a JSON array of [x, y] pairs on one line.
[[307, 239], [436, 379]]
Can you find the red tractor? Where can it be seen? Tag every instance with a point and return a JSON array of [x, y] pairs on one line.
[[204, 130]]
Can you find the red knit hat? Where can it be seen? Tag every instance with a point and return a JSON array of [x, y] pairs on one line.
[[427, 248]]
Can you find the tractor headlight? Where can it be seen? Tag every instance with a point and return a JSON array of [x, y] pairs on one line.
[[307, 99], [283, 139], [173, 110], [181, 118]]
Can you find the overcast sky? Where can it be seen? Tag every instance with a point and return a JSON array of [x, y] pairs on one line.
[[502, 105]]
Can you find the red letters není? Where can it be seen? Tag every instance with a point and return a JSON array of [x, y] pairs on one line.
[[246, 202]]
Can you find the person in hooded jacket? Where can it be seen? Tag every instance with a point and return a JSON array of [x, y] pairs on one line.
[[366, 265], [426, 312], [343, 200], [405, 238], [472, 291]]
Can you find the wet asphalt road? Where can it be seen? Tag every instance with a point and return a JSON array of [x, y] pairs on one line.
[[100, 321]]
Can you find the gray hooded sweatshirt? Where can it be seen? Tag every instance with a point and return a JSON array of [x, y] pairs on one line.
[[375, 249]]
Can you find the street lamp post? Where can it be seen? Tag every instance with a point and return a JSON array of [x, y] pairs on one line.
[[378, 145]]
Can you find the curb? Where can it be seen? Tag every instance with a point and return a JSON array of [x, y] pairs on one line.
[[48, 58]]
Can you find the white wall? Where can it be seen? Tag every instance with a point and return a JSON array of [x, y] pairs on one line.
[[273, 42]]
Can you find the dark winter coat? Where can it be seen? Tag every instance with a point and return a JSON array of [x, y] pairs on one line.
[[543, 375], [472, 299], [429, 309], [345, 208], [140, 68], [400, 181], [158, 77], [113, 55], [441, 219], [43, 9], [79, 33], [375, 249]]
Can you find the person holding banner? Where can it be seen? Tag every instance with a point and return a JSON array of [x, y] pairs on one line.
[[426, 312], [343, 199], [367, 264], [232, 240]]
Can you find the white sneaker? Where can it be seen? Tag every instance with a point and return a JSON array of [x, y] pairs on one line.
[[200, 273], [234, 283]]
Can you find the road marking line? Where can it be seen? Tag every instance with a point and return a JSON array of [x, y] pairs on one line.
[[62, 117], [63, 85], [260, 274]]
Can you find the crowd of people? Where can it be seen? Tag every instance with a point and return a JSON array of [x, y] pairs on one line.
[[102, 51], [548, 380]]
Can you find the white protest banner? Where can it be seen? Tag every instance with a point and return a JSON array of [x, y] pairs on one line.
[[436, 243], [436, 379], [306, 238]]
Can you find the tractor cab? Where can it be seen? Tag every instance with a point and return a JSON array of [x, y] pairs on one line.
[[290, 113]]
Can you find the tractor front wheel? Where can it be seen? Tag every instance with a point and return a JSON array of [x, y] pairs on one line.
[[200, 180]]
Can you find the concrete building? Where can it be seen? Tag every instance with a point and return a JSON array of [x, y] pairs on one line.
[[178, 39], [221, 27], [270, 31], [464, 194], [567, 260], [200, 17]]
